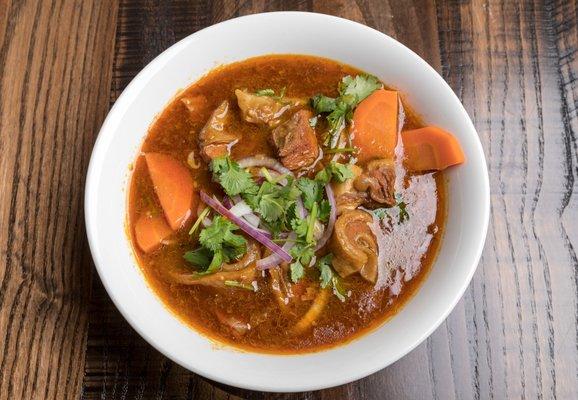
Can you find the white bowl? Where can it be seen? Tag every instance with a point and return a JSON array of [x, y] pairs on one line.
[[237, 39]]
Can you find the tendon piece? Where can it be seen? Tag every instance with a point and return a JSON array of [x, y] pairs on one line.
[[262, 110], [354, 246], [252, 255], [237, 327], [216, 280], [214, 139], [280, 288], [308, 320]]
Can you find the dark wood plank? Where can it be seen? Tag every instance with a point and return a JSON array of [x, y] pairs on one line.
[[56, 61], [515, 332]]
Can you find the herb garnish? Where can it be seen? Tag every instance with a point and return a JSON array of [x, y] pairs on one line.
[[240, 285], [352, 90], [329, 277], [271, 93], [218, 245]]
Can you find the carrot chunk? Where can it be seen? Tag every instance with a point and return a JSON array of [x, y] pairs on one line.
[[174, 187], [430, 149], [375, 125], [150, 232]]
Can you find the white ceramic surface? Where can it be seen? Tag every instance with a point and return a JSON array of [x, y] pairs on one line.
[[299, 33]]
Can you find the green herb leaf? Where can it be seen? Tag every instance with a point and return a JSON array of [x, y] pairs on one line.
[[403, 214], [200, 257], [231, 177], [335, 170], [311, 191], [303, 253], [324, 210], [299, 226], [360, 86], [380, 213], [240, 285], [200, 219], [324, 265], [297, 271], [341, 172], [265, 92], [323, 104], [219, 236]]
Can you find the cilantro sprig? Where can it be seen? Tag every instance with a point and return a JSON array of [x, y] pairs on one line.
[[328, 277], [339, 110], [218, 244]]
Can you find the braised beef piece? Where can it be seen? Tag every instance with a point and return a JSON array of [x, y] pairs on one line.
[[295, 141], [378, 180]]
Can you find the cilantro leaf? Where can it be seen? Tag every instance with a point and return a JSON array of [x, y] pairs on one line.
[[323, 104], [297, 271], [239, 285], [360, 87], [265, 92], [324, 210], [219, 237], [341, 172], [233, 179], [352, 90], [311, 191], [299, 226], [380, 213], [335, 170], [303, 253], [200, 257], [324, 265]]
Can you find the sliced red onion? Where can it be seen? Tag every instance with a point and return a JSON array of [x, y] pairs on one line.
[[240, 209], [301, 209], [262, 161], [273, 259], [332, 217], [246, 227]]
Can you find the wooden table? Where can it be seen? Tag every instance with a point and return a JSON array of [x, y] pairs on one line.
[[514, 64]]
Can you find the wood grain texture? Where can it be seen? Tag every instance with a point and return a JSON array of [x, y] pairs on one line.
[[56, 63], [513, 64]]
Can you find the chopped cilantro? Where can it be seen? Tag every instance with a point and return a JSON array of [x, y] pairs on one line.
[[297, 271], [380, 213], [200, 219], [403, 214], [265, 92], [324, 265], [200, 257], [218, 245], [327, 276], [240, 285], [352, 90], [311, 191], [271, 93], [232, 178], [337, 171], [361, 86]]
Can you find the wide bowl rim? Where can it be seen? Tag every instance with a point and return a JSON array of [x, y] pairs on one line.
[[92, 175]]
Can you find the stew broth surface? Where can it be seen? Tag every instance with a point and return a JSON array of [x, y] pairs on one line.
[[410, 246]]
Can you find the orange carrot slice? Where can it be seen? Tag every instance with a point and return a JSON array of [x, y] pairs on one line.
[[174, 187], [375, 125], [430, 149], [150, 232]]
